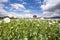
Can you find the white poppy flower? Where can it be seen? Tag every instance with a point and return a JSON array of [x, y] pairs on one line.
[[0, 21], [42, 18], [0, 26], [49, 19], [6, 20], [25, 38], [49, 22], [54, 22], [59, 24], [38, 25]]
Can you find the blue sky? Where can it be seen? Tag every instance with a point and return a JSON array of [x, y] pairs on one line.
[[32, 5], [28, 8]]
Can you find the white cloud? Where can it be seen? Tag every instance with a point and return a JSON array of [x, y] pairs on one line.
[[3, 1], [3, 12], [1, 5], [14, 14], [27, 15], [51, 7], [50, 3], [10, 14], [18, 6]]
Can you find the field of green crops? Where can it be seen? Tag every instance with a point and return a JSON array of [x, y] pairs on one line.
[[25, 29]]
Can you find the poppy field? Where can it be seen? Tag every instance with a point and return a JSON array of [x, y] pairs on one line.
[[27, 29]]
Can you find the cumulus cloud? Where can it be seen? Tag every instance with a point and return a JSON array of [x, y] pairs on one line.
[[10, 14], [2, 11], [51, 7], [5, 13], [15, 6], [14, 14], [26, 14]]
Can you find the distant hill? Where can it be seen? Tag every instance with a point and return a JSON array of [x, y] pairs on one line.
[[6, 17], [55, 17]]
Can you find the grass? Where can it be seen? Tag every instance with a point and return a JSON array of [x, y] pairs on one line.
[[25, 29]]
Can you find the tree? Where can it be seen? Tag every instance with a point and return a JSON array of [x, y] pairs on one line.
[[34, 16]]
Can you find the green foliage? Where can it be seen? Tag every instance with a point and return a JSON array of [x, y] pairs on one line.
[[25, 29]]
